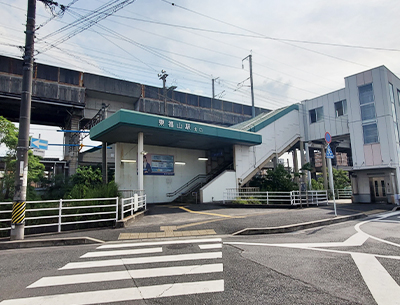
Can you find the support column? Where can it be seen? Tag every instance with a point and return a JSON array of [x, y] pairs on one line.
[[324, 172], [302, 160], [71, 152], [295, 165], [275, 160], [104, 162], [308, 161], [140, 161]]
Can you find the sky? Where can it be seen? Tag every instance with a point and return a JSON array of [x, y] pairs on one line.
[[300, 49]]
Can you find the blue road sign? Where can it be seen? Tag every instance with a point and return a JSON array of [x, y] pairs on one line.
[[39, 143], [329, 153]]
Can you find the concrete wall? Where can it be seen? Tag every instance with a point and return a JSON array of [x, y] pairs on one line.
[[156, 187], [277, 137], [384, 153], [214, 190], [334, 125]]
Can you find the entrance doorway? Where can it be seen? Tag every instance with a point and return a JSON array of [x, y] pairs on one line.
[[378, 189]]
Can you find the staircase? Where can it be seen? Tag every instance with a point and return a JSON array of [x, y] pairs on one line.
[[280, 130]]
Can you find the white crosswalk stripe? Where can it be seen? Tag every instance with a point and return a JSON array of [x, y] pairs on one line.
[[146, 274], [121, 252]]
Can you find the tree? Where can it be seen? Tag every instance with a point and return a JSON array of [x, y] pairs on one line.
[[9, 137], [275, 180], [341, 180]]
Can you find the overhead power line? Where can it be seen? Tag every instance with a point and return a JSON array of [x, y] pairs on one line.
[[259, 36], [87, 21]]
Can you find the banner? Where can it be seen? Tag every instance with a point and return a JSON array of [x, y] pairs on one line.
[[158, 165]]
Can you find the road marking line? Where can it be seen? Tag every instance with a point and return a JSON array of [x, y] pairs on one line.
[[211, 214], [125, 275], [142, 260], [382, 286], [122, 252], [158, 243], [294, 246], [124, 294], [166, 234], [210, 246]]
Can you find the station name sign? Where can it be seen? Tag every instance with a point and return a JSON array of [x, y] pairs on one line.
[[185, 126]]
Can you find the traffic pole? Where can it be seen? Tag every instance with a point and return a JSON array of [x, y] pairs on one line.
[[21, 170], [331, 183]]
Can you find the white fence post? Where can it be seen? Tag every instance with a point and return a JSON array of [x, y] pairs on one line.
[[59, 215], [116, 208], [135, 203], [122, 208]]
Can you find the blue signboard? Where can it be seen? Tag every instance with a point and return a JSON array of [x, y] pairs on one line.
[[158, 165], [329, 153], [39, 144]]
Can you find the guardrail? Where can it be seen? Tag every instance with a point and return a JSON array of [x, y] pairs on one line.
[[188, 184], [132, 204], [344, 193], [63, 212], [311, 197], [265, 198]]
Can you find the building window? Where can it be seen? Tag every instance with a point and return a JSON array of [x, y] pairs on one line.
[[394, 112], [316, 115], [366, 94], [341, 108], [368, 115], [368, 112], [391, 93], [370, 133]]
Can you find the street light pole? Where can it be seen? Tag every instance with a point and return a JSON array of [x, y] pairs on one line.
[[21, 171]]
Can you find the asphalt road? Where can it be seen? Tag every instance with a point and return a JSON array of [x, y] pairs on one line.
[[349, 263]]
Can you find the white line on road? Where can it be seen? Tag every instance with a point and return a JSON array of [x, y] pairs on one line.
[[383, 287], [125, 275], [124, 294], [122, 252], [210, 246], [158, 243], [142, 260]]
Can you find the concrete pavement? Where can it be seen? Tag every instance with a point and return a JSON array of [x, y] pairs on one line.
[[183, 220]]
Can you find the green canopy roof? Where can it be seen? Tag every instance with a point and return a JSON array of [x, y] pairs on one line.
[[124, 126]]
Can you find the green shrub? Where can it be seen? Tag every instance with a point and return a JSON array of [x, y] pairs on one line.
[[250, 200]]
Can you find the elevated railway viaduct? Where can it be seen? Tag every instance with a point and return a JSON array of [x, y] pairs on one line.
[[70, 99]]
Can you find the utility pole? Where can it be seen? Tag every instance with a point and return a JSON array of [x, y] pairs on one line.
[[253, 113], [21, 171], [163, 75], [213, 87]]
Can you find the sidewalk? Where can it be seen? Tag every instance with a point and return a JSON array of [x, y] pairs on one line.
[[180, 220]]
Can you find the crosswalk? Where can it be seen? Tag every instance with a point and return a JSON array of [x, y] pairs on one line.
[[133, 271]]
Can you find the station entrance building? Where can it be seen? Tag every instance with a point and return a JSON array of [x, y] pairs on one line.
[[362, 118]]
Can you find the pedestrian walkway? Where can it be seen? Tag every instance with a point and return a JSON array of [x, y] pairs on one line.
[[133, 271]]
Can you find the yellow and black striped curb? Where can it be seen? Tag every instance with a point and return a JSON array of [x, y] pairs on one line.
[[18, 212]]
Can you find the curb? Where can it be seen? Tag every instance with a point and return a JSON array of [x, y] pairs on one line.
[[34, 243], [127, 221], [299, 226]]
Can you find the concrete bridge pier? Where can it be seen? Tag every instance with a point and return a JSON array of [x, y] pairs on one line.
[[72, 140]]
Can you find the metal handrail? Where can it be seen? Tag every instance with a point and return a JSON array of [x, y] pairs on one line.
[[187, 184], [215, 172]]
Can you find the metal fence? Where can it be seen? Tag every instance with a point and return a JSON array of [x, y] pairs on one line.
[[343, 193], [132, 204], [63, 214], [265, 198]]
